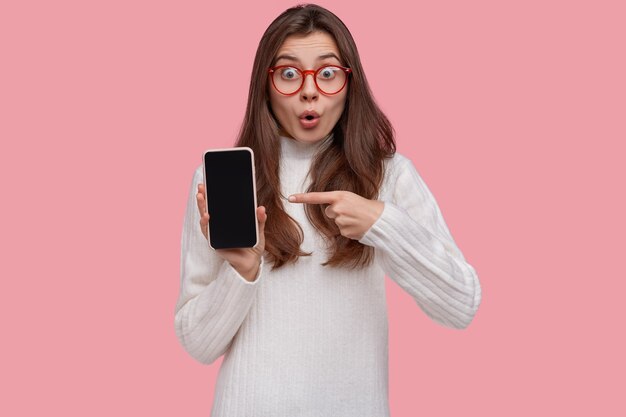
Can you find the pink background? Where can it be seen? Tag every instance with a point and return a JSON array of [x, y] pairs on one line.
[[513, 112]]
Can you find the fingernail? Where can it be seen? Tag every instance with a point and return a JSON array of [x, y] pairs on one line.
[[291, 198]]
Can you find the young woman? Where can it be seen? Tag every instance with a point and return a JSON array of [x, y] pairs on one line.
[[301, 318]]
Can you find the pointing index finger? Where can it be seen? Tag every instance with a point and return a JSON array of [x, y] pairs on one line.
[[324, 197]]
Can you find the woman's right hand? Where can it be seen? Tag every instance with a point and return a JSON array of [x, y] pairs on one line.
[[246, 261]]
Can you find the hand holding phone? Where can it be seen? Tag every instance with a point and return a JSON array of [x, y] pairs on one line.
[[245, 260], [233, 221]]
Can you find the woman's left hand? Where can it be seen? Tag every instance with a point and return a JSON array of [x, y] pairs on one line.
[[353, 214]]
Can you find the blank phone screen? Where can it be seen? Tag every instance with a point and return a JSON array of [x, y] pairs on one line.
[[230, 198]]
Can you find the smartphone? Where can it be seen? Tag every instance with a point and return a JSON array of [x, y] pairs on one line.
[[230, 186]]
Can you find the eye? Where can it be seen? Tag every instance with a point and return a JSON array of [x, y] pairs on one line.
[[328, 73], [289, 73]]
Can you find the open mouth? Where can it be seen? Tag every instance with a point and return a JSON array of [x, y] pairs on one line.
[[309, 119], [309, 115]]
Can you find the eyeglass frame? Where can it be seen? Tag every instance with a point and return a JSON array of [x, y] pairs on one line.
[[304, 73]]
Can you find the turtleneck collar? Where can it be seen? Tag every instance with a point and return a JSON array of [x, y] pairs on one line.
[[291, 148]]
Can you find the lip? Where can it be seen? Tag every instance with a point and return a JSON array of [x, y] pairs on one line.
[[306, 113], [311, 122]]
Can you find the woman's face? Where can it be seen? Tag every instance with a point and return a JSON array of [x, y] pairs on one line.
[[308, 52]]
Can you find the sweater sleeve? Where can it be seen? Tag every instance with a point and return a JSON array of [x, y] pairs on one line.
[[417, 251], [214, 299]]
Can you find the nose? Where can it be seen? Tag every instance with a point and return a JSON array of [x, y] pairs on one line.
[[309, 89]]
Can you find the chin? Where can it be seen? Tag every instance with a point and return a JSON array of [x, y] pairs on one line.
[[310, 136]]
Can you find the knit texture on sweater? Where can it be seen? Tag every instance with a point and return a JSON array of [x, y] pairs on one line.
[[308, 340]]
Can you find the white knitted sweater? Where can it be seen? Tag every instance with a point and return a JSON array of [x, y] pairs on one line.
[[308, 340]]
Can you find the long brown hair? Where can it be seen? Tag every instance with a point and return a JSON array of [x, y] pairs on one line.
[[362, 139]]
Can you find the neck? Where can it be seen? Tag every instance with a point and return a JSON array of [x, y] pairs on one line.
[[293, 148]]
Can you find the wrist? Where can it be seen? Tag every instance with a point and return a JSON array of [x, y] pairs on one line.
[[248, 272]]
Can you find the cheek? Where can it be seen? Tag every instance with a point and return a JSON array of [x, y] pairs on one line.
[[278, 106], [338, 105]]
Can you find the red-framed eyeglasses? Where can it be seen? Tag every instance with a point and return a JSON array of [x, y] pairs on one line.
[[329, 79]]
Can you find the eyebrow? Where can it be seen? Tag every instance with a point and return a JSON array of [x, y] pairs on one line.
[[293, 58]]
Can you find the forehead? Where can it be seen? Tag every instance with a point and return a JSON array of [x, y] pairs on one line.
[[308, 47]]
